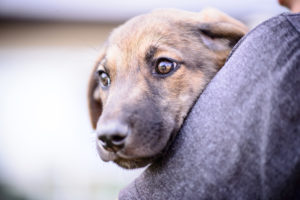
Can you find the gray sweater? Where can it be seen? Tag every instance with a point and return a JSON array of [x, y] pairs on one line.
[[242, 138]]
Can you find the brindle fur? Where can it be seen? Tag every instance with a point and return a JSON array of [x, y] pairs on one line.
[[154, 107]]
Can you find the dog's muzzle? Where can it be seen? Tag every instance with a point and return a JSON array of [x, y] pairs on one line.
[[112, 136]]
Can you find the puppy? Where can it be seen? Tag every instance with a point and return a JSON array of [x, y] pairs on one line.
[[148, 76]]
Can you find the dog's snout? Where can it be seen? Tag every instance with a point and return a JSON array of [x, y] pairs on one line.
[[112, 135]]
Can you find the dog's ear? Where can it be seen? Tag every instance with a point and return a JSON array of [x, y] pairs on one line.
[[94, 100], [220, 31]]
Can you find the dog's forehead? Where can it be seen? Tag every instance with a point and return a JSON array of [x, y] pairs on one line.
[[141, 32], [150, 27]]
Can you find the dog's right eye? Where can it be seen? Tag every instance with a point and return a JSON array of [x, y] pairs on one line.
[[103, 78], [165, 66]]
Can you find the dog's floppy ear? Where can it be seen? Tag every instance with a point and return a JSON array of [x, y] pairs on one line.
[[94, 101], [220, 31]]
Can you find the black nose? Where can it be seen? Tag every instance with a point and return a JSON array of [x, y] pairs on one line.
[[112, 135]]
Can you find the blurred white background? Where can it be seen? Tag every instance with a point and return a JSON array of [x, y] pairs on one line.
[[118, 10], [47, 50]]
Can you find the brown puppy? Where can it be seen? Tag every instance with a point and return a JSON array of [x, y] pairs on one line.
[[148, 76]]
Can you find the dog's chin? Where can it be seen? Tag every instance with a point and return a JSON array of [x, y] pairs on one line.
[[127, 162], [133, 163]]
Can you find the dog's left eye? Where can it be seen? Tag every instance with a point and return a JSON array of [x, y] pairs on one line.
[[165, 66], [104, 78]]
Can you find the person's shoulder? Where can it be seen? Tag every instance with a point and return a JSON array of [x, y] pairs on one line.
[[278, 31], [284, 20], [294, 19]]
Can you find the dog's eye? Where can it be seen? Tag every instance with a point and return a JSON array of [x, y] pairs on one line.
[[104, 79], [165, 66]]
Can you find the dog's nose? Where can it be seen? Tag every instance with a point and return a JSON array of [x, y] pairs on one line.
[[112, 135]]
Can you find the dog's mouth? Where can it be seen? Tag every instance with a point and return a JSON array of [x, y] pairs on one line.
[[129, 159], [125, 161]]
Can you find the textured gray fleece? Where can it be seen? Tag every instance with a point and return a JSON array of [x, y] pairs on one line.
[[242, 138]]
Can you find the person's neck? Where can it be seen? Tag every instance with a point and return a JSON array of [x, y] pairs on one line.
[[295, 9], [295, 6]]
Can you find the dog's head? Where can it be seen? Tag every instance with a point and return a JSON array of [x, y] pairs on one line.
[[149, 74]]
